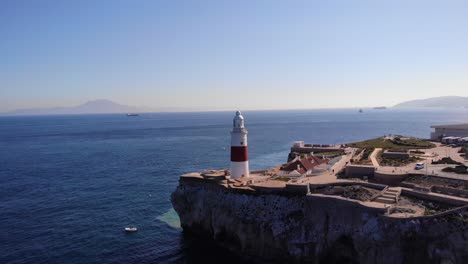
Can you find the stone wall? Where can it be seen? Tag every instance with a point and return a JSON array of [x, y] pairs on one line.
[[296, 189], [359, 171], [389, 178], [407, 185], [395, 154], [349, 183]]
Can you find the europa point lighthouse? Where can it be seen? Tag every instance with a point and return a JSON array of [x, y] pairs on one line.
[[239, 152]]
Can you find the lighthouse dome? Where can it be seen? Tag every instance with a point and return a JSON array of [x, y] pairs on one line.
[[238, 120]]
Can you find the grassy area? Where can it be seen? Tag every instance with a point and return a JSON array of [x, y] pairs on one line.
[[396, 143]]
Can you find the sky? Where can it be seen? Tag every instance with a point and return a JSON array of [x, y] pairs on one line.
[[220, 55]]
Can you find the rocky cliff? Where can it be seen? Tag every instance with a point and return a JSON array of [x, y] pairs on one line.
[[316, 228]]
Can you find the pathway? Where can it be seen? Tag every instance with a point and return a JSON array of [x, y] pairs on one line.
[[373, 157]]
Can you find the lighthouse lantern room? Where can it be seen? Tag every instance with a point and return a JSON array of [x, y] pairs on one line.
[[239, 151]]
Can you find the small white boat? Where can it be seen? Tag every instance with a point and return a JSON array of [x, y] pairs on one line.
[[131, 229]]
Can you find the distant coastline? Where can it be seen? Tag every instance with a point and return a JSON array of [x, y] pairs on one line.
[[100, 106], [104, 106], [443, 101]]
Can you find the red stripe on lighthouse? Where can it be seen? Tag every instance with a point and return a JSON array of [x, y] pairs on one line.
[[239, 154]]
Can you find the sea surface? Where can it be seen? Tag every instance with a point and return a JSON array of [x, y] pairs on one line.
[[70, 184]]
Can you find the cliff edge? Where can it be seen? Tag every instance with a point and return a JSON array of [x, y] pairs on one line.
[[316, 228]]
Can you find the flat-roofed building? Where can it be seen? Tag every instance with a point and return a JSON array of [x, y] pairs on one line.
[[450, 140], [442, 131]]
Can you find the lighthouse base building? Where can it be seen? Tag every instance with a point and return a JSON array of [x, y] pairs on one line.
[[239, 150]]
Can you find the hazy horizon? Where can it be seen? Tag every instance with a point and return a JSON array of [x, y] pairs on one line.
[[146, 109], [216, 55]]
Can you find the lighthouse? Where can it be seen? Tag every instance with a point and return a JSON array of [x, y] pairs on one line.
[[239, 152]]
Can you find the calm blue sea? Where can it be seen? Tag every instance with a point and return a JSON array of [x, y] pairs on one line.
[[70, 184]]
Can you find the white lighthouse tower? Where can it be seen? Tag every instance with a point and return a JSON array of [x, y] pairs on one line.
[[239, 152]]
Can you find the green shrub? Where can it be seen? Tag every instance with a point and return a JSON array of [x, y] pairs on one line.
[[446, 160], [457, 170]]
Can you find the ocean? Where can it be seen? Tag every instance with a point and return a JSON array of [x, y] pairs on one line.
[[70, 184]]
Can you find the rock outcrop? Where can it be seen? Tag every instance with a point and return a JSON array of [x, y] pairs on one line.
[[317, 228]]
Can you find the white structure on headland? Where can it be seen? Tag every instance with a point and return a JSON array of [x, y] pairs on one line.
[[239, 151], [459, 130]]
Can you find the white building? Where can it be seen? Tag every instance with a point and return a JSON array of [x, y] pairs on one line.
[[442, 131], [298, 144], [463, 141], [450, 140]]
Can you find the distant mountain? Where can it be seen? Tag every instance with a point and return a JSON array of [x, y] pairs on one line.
[[444, 101], [100, 106]]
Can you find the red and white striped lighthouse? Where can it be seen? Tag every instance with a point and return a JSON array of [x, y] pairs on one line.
[[239, 152]]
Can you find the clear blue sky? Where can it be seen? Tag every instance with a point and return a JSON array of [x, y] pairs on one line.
[[231, 54]]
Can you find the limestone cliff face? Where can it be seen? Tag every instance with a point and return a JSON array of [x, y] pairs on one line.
[[316, 229]]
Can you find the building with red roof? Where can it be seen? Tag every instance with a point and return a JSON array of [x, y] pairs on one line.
[[303, 166]]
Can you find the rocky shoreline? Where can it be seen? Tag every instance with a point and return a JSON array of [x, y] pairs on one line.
[[316, 228]]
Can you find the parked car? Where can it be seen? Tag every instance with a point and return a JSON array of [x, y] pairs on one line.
[[419, 166]]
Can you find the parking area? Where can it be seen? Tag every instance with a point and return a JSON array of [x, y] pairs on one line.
[[434, 154]]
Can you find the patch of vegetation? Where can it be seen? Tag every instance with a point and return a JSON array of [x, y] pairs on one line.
[[401, 210], [409, 143], [364, 159], [463, 152], [330, 154], [358, 193], [446, 160], [396, 143], [435, 208], [367, 153], [341, 174], [285, 179], [429, 181], [397, 162], [432, 207], [457, 170], [354, 192]]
